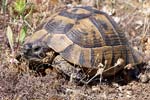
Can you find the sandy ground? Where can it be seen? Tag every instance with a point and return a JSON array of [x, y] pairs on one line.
[[17, 82]]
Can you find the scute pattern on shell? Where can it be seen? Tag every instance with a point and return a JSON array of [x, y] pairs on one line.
[[85, 36]]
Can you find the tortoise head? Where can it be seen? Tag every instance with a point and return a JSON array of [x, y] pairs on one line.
[[35, 46]]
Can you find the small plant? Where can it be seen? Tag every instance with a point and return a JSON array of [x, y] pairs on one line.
[[19, 13], [20, 6]]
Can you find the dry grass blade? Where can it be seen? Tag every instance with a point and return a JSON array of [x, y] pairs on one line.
[[146, 27], [9, 34], [99, 72]]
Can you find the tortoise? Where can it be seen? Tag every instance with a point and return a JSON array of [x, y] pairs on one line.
[[81, 39]]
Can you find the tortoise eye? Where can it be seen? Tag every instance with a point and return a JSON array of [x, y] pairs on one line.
[[37, 48]]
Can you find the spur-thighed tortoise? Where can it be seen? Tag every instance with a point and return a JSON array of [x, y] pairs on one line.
[[81, 38]]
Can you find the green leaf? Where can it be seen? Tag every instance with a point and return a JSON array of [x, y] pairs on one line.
[[9, 34], [22, 34], [20, 6]]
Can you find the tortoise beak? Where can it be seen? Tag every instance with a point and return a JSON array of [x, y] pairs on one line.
[[34, 52]]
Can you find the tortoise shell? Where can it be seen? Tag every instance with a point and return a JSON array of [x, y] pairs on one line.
[[85, 36]]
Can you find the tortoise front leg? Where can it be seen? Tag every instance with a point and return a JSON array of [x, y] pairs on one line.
[[72, 71]]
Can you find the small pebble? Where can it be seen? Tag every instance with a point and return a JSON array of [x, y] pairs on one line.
[[148, 74], [120, 94], [95, 88], [129, 93], [120, 88], [115, 84], [148, 40], [144, 78]]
